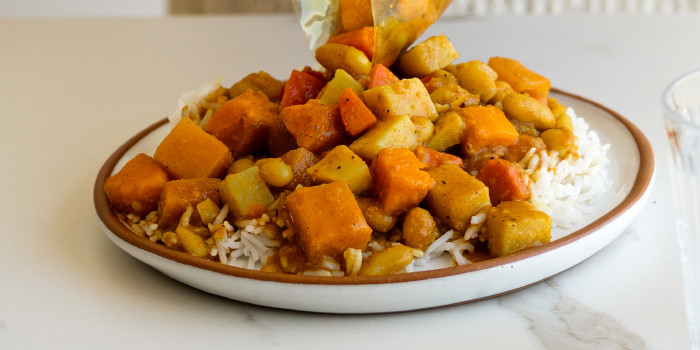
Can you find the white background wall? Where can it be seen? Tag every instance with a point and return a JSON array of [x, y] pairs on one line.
[[81, 8]]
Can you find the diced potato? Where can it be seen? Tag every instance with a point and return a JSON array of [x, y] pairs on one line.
[[314, 125], [518, 76], [177, 195], [246, 193], [189, 152], [434, 53], [258, 81], [477, 77], [528, 110], [392, 132], [439, 79], [513, 226], [449, 130], [327, 220], [341, 80], [208, 210], [137, 186], [424, 129], [418, 229], [299, 160], [342, 164], [404, 97], [456, 196], [399, 180], [487, 126], [377, 219], [345, 57], [244, 122]]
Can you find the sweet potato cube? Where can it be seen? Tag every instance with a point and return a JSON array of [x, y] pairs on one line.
[[518, 76], [301, 87], [246, 193], [178, 194], [513, 226], [456, 196], [400, 182], [137, 186], [190, 152], [299, 160], [487, 126], [404, 97], [342, 164], [380, 75], [361, 39], [327, 220], [244, 122], [504, 180], [356, 117], [392, 132], [314, 125], [434, 53]]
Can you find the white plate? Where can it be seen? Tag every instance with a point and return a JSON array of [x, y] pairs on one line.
[[631, 170]]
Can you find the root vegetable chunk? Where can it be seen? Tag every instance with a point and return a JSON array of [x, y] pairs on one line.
[[404, 97], [327, 220], [342, 164], [179, 194], [314, 125], [137, 186], [456, 196], [518, 76], [504, 180], [513, 226], [428, 56], [246, 193], [244, 122], [487, 126], [400, 181], [190, 152]]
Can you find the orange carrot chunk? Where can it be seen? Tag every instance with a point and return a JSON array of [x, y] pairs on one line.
[[136, 187], [190, 152], [355, 115], [244, 122], [434, 159], [504, 180], [301, 87], [380, 76], [178, 194], [400, 181], [314, 125], [519, 77], [361, 39]]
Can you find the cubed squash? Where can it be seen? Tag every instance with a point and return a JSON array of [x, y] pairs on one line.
[[244, 122], [400, 181], [513, 226], [314, 125], [433, 158], [449, 131], [179, 194], [190, 152], [434, 53], [300, 87], [342, 164], [299, 160], [355, 14], [137, 186], [518, 76], [487, 126], [327, 220], [258, 81], [456, 196], [504, 180], [341, 81], [404, 97], [246, 193], [279, 140], [392, 132]]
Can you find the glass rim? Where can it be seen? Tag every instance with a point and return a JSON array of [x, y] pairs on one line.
[[666, 95]]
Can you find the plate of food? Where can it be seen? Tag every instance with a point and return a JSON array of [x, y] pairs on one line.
[[360, 187]]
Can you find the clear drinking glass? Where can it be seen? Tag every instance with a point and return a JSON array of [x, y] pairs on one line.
[[681, 107]]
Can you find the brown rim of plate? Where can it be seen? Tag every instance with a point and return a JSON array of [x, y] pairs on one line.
[[110, 220]]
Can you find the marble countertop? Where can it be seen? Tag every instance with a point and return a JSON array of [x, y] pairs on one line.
[[72, 90]]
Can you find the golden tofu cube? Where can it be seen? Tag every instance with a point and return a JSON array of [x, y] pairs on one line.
[[456, 196], [404, 97], [434, 53], [513, 226], [342, 164], [392, 132]]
